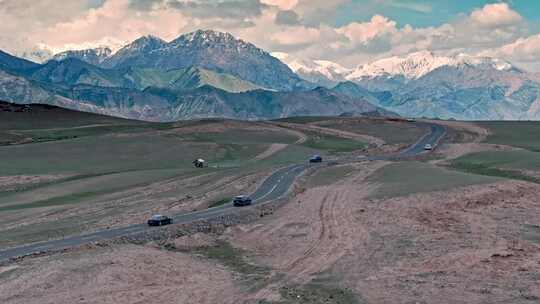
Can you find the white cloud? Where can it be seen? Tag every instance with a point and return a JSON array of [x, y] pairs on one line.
[[113, 23], [521, 50], [364, 32], [496, 28], [296, 36], [495, 15]]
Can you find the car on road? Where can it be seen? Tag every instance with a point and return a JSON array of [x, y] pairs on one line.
[[411, 120], [428, 147], [242, 200], [159, 220], [315, 159], [198, 163]]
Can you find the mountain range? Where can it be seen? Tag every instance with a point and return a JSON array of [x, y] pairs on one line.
[[423, 84], [213, 74], [201, 74]]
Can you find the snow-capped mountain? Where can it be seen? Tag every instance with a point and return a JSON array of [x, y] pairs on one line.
[[153, 70], [92, 56], [460, 86], [416, 65], [399, 68], [321, 72]]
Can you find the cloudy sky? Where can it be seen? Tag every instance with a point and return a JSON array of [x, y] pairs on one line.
[[349, 32]]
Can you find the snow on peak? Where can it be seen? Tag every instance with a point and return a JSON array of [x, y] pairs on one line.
[[93, 56], [418, 64], [330, 70], [412, 66], [482, 61], [208, 37]]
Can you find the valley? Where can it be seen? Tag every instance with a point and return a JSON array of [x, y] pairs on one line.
[[343, 233], [269, 152]]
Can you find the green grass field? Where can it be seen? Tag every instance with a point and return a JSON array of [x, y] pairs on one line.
[[304, 119], [330, 175], [405, 178], [242, 137], [522, 134], [508, 164], [390, 131], [324, 142]]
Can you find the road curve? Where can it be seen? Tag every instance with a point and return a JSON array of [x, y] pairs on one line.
[[274, 187]]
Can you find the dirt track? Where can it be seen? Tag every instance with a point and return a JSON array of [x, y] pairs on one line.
[[310, 234], [458, 246]]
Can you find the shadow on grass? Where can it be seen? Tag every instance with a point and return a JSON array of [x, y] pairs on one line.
[[220, 202]]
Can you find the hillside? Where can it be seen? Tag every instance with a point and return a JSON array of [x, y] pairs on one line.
[[13, 64], [220, 52], [42, 116], [189, 78]]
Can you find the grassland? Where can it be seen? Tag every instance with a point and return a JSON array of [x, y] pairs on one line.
[[513, 164], [43, 123], [330, 175], [238, 136], [49, 117], [392, 132], [522, 134], [304, 119], [332, 143], [507, 164], [96, 160], [105, 167], [405, 178]]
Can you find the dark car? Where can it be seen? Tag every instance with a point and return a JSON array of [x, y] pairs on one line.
[[159, 220], [242, 200], [315, 159]]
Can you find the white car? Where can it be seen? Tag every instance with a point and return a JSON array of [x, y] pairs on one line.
[[428, 147]]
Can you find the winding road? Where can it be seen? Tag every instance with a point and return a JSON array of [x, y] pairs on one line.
[[274, 187]]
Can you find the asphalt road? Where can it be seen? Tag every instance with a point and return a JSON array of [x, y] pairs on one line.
[[274, 187]]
